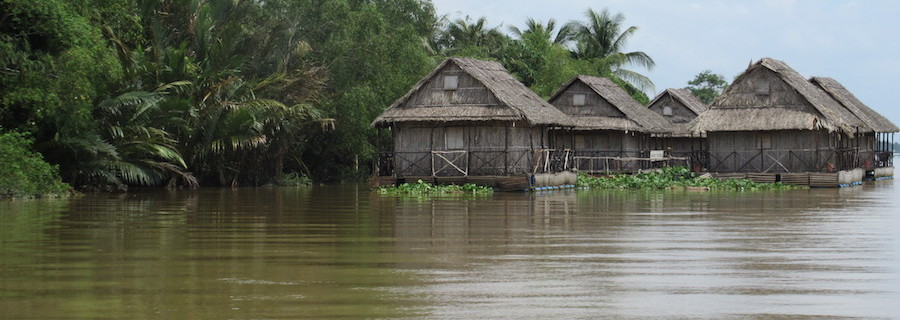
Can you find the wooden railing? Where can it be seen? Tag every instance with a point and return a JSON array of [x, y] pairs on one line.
[[475, 162], [795, 160], [552, 160], [884, 159], [588, 164], [449, 163]]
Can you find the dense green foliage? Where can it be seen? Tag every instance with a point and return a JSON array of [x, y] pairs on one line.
[[543, 56], [24, 173], [707, 86], [421, 188], [183, 93], [675, 178]]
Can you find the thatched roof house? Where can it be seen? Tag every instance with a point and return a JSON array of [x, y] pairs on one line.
[[871, 118], [599, 104], [612, 130], [500, 97], [770, 95], [772, 120], [679, 107], [470, 118]]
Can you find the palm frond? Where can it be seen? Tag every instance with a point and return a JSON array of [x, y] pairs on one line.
[[640, 81], [176, 87]]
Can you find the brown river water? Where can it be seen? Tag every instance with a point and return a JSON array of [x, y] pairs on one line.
[[343, 252]]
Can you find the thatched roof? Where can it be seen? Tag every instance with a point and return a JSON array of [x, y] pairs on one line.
[[837, 91], [685, 97], [517, 102], [638, 118], [818, 110]]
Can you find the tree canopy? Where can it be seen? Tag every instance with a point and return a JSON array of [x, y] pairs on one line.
[[184, 93], [707, 86]]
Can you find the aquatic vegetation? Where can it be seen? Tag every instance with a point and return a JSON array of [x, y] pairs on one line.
[[675, 178], [421, 188], [294, 179]]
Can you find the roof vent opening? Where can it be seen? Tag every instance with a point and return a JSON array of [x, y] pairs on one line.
[[667, 111], [451, 82], [577, 100], [762, 88]]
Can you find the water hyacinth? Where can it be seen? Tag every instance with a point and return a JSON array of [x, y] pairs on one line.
[[422, 188], [675, 178]]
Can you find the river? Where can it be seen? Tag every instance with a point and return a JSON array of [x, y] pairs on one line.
[[339, 251]]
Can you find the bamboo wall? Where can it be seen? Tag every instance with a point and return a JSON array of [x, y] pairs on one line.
[[678, 146], [781, 151], [492, 148], [610, 143], [469, 91]]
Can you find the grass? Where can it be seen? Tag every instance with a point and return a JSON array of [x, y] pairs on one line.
[[421, 188], [676, 178]]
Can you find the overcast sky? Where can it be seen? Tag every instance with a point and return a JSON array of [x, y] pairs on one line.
[[855, 42]]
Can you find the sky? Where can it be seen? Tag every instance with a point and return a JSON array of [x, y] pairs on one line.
[[855, 42]]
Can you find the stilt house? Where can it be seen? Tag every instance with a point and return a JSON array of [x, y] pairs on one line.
[[772, 120], [612, 130], [470, 121], [875, 148], [679, 107]]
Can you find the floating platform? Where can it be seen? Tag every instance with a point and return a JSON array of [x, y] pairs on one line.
[[845, 178], [537, 181]]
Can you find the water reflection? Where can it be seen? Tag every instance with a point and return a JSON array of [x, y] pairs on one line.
[[823, 252], [341, 251]]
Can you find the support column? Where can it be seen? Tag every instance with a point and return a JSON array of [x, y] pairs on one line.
[[506, 150]]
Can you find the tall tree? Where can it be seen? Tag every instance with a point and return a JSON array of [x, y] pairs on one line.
[[707, 86], [472, 38], [601, 40], [374, 50], [544, 32], [530, 56]]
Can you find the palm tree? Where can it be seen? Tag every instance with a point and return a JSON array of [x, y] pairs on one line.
[[539, 30], [531, 54], [143, 154], [601, 39], [252, 93], [465, 34]]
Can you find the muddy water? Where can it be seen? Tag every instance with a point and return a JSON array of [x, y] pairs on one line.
[[342, 252]]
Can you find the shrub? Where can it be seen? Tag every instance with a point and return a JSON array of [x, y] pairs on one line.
[[24, 173], [294, 179]]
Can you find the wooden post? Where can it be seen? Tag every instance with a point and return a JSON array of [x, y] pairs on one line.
[[531, 146], [431, 147], [468, 139], [378, 152], [762, 160], [816, 152], [506, 150]]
